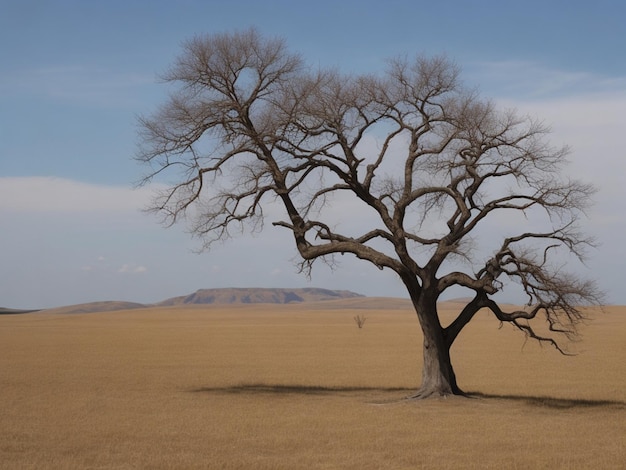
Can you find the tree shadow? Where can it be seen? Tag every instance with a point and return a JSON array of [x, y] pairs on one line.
[[282, 389], [318, 390], [552, 402]]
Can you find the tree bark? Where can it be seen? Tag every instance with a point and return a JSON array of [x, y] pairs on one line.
[[438, 378]]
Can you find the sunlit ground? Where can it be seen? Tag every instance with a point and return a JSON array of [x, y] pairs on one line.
[[296, 386]]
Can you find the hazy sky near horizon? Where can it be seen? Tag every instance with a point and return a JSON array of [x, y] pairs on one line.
[[74, 76]]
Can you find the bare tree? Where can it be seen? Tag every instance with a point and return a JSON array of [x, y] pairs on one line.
[[360, 320], [436, 166]]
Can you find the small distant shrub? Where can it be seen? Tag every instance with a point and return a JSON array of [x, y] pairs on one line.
[[360, 320]]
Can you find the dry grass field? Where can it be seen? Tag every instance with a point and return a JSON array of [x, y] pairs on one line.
[[284, 387]]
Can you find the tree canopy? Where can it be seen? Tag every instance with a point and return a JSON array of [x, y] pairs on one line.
[[438, 168]]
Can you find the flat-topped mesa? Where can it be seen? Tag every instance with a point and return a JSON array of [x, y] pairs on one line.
[[247, 295]]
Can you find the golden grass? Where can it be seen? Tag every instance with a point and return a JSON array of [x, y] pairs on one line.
[[271, 387]]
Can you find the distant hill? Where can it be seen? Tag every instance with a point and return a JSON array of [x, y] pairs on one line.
[[259, 295], [211, 296], [93, 307], [14, 311]]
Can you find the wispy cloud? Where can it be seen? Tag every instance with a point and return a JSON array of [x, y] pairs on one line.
[[584, 111], [132, 268], [592, 125], [77, 84], [58, 195], [532, 80]]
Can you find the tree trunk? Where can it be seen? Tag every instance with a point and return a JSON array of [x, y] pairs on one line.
[[438, 378]]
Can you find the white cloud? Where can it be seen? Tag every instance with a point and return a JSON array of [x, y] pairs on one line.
[[585, 112], [592, 125], [132, 268], [59, 195]]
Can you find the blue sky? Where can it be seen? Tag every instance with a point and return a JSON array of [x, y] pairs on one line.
[[74, 75]]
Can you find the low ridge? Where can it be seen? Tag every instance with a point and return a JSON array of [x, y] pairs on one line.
[[243, 295]]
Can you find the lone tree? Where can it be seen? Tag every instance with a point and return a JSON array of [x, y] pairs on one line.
[[440, 171]]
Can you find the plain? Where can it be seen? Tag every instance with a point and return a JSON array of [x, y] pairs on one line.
[[301, 386]]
